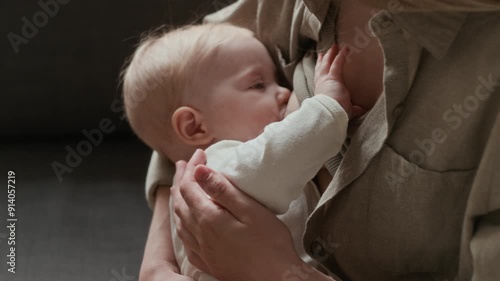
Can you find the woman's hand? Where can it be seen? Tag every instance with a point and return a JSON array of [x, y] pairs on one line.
[[159, 260], [229, 235]]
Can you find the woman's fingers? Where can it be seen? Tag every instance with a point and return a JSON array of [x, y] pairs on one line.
[[184, 219], [224, 193], [195, 198], [195, 260], [198, 158], [180, 168], [187, 238], [181, 209]]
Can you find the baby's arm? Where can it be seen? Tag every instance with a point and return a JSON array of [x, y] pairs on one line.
[[274, 167]]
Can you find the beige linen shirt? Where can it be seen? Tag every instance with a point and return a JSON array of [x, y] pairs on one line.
[[416, 195]]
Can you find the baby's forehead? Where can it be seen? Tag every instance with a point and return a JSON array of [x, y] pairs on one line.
[[241, 48]]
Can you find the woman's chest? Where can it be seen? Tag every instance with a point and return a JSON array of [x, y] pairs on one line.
[[363, 70]]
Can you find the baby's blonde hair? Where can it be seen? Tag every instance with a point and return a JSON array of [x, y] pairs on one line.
[[160, 73]]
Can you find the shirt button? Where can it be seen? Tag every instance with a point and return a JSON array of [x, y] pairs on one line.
[[317, 250], [398, 110]]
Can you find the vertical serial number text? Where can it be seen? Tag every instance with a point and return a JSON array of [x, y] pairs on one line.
[[11, 221]]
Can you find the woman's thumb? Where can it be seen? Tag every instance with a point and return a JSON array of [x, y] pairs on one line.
[[222, 191], [212, 183]]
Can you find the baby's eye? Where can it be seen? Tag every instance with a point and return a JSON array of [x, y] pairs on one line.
[[258, 86]]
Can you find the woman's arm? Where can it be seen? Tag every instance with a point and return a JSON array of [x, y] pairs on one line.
[[231, 235], [159, 261]]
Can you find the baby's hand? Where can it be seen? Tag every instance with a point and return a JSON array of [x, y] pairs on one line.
[[329, 80]]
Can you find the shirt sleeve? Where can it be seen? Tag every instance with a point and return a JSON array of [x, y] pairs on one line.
[[482, 219], [160, 172], [274, 167], [485, 248]]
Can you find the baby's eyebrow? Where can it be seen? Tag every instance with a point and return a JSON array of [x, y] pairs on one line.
[[258, 71], [251, 73]]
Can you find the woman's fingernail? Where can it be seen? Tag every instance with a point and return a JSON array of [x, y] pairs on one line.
[[198, 151], [205, 176]]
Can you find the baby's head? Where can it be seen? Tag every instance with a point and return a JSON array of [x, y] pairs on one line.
[[194, 86]]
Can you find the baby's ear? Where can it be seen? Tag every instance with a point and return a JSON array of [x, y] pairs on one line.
[[188, 125]]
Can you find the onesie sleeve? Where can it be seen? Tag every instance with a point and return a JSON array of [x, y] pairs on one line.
[[274, 167]]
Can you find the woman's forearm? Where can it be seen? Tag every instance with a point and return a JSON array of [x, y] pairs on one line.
[[159, 253]]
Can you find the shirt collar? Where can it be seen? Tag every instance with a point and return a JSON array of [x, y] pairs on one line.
[[434, 31], [319, 9]]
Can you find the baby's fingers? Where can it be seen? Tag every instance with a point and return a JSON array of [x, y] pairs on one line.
[[357, 111], [338, 64], [320, 58], [327, 60]]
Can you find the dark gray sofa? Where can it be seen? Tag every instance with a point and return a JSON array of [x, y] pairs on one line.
[[80, 208]]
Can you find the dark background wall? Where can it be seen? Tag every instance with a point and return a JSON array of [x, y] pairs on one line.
[[65, 77]]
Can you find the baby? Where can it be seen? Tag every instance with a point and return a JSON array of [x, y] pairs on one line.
[[214, 87]]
